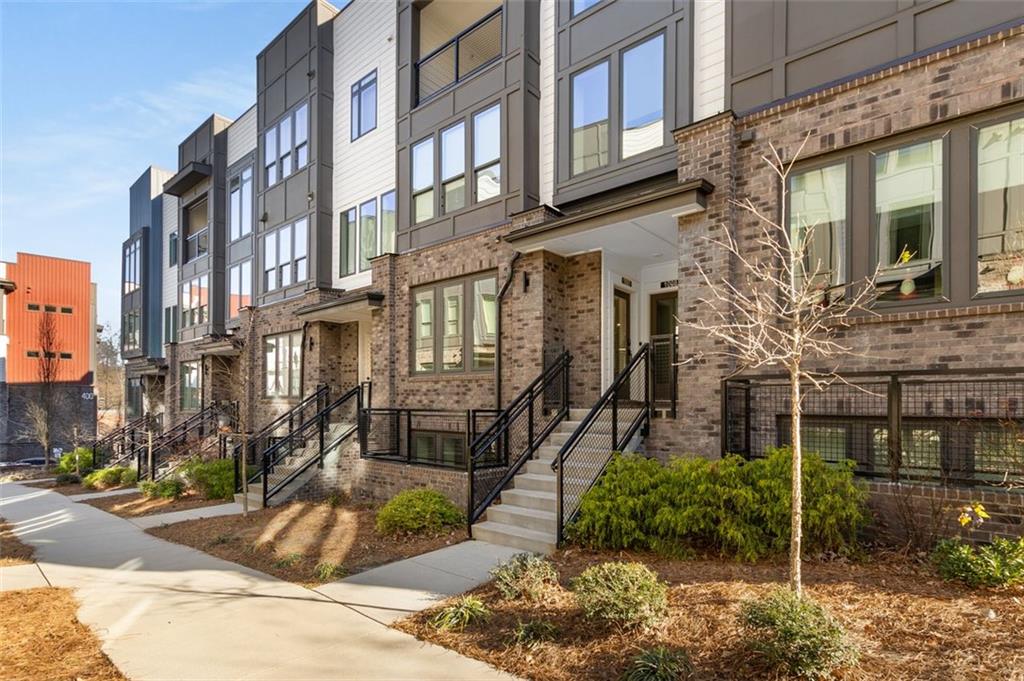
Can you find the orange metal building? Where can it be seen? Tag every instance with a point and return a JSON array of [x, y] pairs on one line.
[[61, 288]]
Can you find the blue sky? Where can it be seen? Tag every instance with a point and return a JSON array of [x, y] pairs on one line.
[[93, 93]]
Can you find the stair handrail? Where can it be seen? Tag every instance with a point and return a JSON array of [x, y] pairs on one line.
[[610, 396], [496, 434], [318, 396], [180, 433], [113, 437], [316, 425]]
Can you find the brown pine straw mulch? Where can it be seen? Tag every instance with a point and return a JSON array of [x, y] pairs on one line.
[[137, 505], [27, 473], [72, 489], [907, 623], [41, 638], [291, 540], [12, 550]]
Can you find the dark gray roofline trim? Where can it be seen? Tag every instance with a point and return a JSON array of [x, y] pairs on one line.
[[371, 298]]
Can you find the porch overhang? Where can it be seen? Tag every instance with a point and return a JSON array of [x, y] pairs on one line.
[[675, 201], [189, 176], [354, 306], [148, 366], [225, 347]]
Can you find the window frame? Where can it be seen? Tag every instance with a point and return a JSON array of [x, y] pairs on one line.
[[244, 230], [239, 281], [574, 13], [294, 340], [442, 180], [294, 259], [607, 62], [414, 193], [204, 231], [488, 163], [467, 323], [621, 103], [355, 110], [289, 154], [172, 249], [196, 391]]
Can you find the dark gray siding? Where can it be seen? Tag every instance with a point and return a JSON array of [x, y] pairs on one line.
[[244, 248], [779, 48], [145, 222]]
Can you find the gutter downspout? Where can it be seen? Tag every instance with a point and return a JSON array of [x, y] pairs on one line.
[[497, 354]]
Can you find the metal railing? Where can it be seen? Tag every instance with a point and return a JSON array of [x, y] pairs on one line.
[[962, 427], [197, 244], [428, 437], [665, 371], [471, 50], [258, 442], [120, 444], [620, 413], [306, 444], [500, 450], [182, 441]]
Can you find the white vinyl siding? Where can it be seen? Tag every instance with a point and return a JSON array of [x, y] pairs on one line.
[[364, 36], [169, 289], [547, 100], [242, 136], [708, 58]]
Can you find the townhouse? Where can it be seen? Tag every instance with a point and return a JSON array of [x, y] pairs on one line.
[[452, 242]]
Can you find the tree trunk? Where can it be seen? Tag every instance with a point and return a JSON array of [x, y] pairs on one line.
[[796, 527]]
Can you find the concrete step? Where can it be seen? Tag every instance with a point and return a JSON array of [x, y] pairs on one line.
[[516, 537], [255, 500], [538, 482], [528, 518], [541, 501]]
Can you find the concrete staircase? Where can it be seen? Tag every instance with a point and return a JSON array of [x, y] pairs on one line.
[[526, 516], [291, 463]]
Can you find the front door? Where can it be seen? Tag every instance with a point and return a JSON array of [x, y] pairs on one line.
[[621, 339], [663, 328]]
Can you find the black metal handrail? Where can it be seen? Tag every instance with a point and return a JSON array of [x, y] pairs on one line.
[[630, 392], [120, 443], [455, 45], [498, 453], [195, 428], [258, 442]]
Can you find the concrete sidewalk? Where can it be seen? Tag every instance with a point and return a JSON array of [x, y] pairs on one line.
[[166, 611]]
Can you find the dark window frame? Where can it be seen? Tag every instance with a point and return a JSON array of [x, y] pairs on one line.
[[607, 61], [467, 320], [294, 260], [198, 235], [620, 55], [291, 152], [290, 337], [355, 111], [239, 179], [189, 391]]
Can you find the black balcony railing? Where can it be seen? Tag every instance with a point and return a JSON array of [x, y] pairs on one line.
[[465, 54], [962, 427], [197, 244], [429, 437]]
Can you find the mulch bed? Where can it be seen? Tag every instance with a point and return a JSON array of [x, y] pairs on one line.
[[12, 550], [291, 540], [71, 490], [41, 638], [137, 505], [907, 623], [26, 474]]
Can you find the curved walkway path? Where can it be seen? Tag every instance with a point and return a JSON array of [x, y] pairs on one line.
[[166, 611]]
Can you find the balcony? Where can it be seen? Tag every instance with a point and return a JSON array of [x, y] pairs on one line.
[[446, 62]]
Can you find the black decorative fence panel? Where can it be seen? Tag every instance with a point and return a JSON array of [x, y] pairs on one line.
[[431, 437], [937, 426], [473, 48]]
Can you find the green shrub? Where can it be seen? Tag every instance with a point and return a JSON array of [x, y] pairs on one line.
[[531, 634], [627, 594], [62, 479], [736, 507], [288, 560], [104, 478], [418, 511], [525, 575], [796, 635], [460, 614], [328, 571], [659, 664], [1000, 563], [79, 461], [129, 476], [169, 488], [213, 479]]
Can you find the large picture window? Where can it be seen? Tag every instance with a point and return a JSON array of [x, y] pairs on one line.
[[817, 223], [195, 296], [590, 119], [284, 255], [1000, 206], [909, 220], [286, 145], [240, 204], [282, 364], [643, 97], [239, 287], [487, 153], [448, 319], [190, 386], [366, 232], [197, 232], [132, 266]]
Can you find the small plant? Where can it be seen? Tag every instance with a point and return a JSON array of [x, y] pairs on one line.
[[129, 476], [335, 499], [325, 572], [78, 462], [797, 635], [1000, 563], [171, 488], [627, 594], [287, 561], [62, 479], [211, 479], [105, 478], [418, 511], [460, 614], [222, 539], [659, 664], [525, 575], [531, 634]]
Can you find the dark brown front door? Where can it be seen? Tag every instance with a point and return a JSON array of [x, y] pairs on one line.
[[621, 339]]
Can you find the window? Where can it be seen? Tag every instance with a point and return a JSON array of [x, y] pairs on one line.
[[908, 220], [643, 97], [453, 168], [443, 326], [65, 355], [130, 331], [66, 310], [817, 223], [1000, 206], [487, 153], [282, 364], [197, 234], [131, 266], [284, 256], [239, 287], [348, 242], [286, 145], [171, 324], [590, 119], [33, 307], [579, 6], [190, 380], [32, 354], [423, 180], [364, 106], [172, 249], [195, 301], [240, 205], [387, 223], [49, 308], [367, 233]]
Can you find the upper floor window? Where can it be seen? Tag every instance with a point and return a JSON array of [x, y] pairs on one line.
[[590, 119], [132, 266], [282, 364], [191, 386], [286, 146], [487, 153], [66, 310], [447, 335], [909, 220], [33, 307], [239, 287], [364, 106], [284, 255], [1000, 206], [453, 168], [579, 6], [817, 220], [172, 249], [195, 301], [367, 232], [456, 40], [197, 232], [131, 331], [643, 97], [171, 324], [240, 204], [423, 180]]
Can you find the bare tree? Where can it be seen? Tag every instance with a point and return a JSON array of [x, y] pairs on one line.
[[109, 379], [43, 409], [781, 308]]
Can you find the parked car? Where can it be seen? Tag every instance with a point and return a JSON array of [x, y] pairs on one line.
[[33, 461]]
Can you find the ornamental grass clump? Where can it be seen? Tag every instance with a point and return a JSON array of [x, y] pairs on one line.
[[659, 664], [460, 614], [629, 595], [531, 634], [525, 575]]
